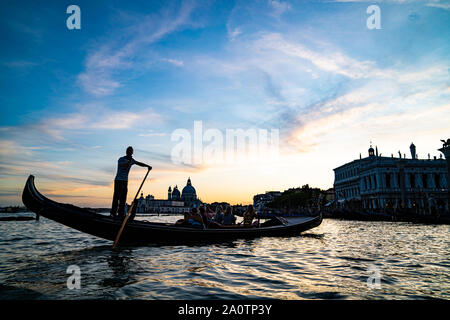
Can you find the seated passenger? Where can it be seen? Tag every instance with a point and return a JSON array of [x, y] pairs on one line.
[[218, 216], [204, 215], [192, 218], [249, 215], [209, 213], [229, 218]]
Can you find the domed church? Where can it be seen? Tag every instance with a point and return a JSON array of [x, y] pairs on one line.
[[188, 194]]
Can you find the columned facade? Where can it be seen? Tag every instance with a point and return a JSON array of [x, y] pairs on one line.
[[376, 182]]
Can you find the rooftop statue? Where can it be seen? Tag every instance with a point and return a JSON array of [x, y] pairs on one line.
[[446, 143]]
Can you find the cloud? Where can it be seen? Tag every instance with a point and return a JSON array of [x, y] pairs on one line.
[[334, 61], [153, 134], [445, 6], [175, 62], [97, 118], [279, 7], [57, 131], [279, 57], [393, 104], [232, 34], [105, 65]]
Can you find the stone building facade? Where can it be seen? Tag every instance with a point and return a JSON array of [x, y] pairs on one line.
[[377, 182]]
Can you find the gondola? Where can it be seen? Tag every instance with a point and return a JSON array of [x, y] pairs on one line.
[[106, 227]]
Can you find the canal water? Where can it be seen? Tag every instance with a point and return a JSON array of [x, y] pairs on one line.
[[337, 260]]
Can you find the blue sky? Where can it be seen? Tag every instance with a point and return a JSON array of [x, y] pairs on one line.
[[73, 100]]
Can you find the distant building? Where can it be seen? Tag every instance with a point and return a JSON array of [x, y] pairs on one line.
[[377, 182], [177, 203], [261, 200], [151, 205], [330, 195], [222, 204], [189, 195]]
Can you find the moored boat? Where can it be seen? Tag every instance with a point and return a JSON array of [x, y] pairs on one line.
[[105, 227]]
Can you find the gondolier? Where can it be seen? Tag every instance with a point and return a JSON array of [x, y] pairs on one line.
[[121, 182]]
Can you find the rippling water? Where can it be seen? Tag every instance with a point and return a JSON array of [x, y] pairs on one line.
[[328, 262]]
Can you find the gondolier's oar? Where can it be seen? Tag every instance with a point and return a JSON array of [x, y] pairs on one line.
[[129, 212]]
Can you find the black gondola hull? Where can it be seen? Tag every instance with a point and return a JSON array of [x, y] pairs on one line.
[[148, 232]]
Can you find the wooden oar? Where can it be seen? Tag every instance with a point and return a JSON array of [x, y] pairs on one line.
[[129, 212]]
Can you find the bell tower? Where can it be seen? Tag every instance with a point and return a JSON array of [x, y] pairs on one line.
[[371, 152]]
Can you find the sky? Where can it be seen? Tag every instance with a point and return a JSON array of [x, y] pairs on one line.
[[138, 71]]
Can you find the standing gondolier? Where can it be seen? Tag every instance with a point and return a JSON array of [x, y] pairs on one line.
[[121, 182]]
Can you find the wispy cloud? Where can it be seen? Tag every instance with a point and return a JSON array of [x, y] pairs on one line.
[[234, 33], [153, 134], [445, 6], [390, 104], [279, 7], [333, 61], [104, 64], [175, 62]]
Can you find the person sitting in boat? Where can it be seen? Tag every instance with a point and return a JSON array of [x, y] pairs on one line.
[[195, 219], [229, 218], [209, 212], [249, 215], [121, 182], [206, 215], [218, 216]]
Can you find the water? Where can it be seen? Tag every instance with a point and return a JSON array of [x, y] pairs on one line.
[[328, 262]]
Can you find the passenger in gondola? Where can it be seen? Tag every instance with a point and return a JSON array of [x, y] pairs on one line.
[[218, 216], [229, 218], [192, 218], [121, 182], [249, 215], [204, 216], [209, 213]]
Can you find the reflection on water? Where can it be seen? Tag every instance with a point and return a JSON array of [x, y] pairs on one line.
[[328, 262]]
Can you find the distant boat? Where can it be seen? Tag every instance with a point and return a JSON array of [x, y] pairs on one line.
[[106, 227]]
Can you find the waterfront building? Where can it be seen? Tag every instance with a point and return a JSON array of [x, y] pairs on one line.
[[189, 195], [378, 182], [330, 195], [151, 205], [176, 203], [261, 200]]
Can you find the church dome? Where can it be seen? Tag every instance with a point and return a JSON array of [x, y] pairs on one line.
[[175, 193], [188, 190]]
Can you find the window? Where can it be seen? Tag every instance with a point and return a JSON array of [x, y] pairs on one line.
[[437, 181], [424, 180], [388, 180], [412, 180]]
